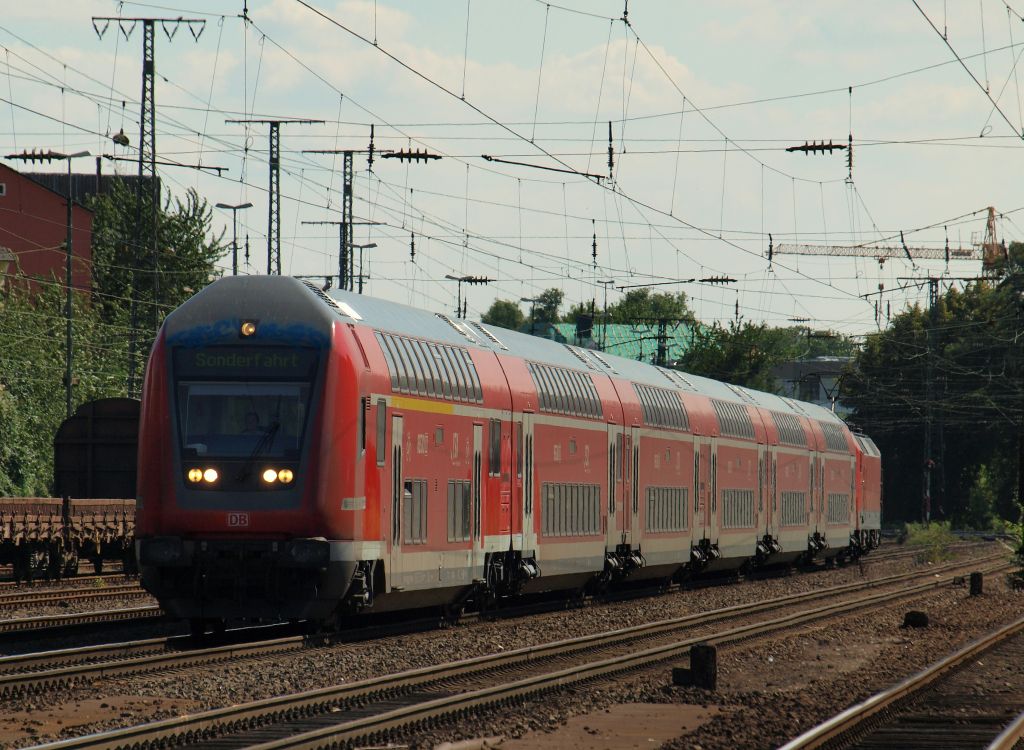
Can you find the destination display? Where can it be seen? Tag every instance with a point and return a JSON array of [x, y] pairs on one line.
[[246, 362]]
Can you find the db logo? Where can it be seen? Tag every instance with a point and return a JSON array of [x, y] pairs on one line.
[[238, 519]]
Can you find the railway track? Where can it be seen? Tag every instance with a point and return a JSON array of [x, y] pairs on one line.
[[370, 710], [962, 701], [77, 594], [81, 581], [61, 622]]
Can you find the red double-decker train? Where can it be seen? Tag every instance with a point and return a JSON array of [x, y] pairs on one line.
[[304, 456]]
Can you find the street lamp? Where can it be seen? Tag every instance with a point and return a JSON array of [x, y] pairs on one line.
[[47, 156], [367, 246], [533, 313], [460, 310], [234, 209]]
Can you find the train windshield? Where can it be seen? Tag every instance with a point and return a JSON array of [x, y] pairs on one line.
[[230, 419]]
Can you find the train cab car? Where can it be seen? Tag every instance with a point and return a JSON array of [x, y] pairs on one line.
[[310, 456], [867, 534], [233, 518]]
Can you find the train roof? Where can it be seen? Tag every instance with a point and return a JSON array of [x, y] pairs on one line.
[[409, 321]]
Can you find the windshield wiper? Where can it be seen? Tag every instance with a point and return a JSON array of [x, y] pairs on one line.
[[264, 443]]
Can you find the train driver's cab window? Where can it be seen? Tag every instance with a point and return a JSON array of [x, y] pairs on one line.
[[232, 419]]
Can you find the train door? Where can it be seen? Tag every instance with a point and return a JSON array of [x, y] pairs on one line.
[[499, 461], [476, 526], [763, 512], [712, 524], [527, 505], [615, 505], [633, 511], [815, 508], [701, 486], [397, 501], [772, 500]]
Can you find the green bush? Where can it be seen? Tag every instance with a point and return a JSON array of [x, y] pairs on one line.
[[933, 538]]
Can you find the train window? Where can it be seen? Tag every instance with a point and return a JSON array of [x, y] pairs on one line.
[[382, 426], [572, 405], [572, 446], [540, 380], [620, 454], [443, 375], [415, 367], [426, 367], [454, 363], [438, 436], [835, 440], [554, 399], [433, 369], [406, 380], [477, 391], [459, 511], [436, 371], [363, 406], [791, 432], [579, 395], [388, 359], [494, 454], [563, 403], [662, 407], [414, 516], [519, 449]]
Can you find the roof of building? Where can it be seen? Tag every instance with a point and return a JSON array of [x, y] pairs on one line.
[[639, 342]]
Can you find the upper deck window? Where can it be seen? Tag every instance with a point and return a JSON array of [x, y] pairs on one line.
[[834, 438], [425, 368], [565, 391], [733, 419], [662, 407], [791, 432]]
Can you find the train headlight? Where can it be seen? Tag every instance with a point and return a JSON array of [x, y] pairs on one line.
[[285, 476], [195, 475], [270, 476], [248, 328], [211, 475]]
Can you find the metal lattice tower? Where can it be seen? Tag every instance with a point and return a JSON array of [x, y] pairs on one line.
[[347, 218], [274, 202], [147, 164], [274, 187]]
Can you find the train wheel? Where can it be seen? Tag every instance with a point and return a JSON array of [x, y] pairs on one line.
[[97, 565], [197, 628], [70, 564]]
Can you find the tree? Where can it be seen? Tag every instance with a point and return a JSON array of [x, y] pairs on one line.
[[545, 310], [186, 252], [504, 313], [641, 305], [742, 353], [32, 377], [959, 366]]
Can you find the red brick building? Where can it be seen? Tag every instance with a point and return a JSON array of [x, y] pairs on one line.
[[33, 228]]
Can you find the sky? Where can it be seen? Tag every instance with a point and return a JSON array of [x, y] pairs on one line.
[[702, 100]]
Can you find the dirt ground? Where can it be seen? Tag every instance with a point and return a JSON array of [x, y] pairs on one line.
[[21, 728], [628, 726]]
